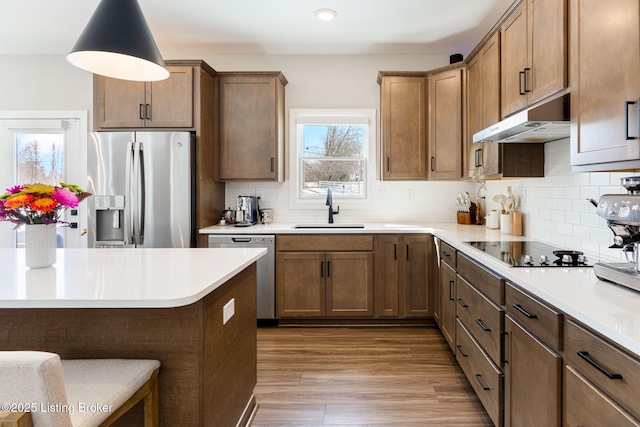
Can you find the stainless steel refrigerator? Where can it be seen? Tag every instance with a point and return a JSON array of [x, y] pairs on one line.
[[142, 184]]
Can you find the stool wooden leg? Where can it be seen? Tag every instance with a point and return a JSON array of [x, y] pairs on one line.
[[151, 418]]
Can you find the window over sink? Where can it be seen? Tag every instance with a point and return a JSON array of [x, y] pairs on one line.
[[330, 149]]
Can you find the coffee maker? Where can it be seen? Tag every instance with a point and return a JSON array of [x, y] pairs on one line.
[[246, 211], [622, 212]]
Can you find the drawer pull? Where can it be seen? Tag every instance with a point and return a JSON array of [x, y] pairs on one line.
[[459, 347], [445, 253], [523, 311], [462, 303], [484, 387], [484, 328], [585, 355]]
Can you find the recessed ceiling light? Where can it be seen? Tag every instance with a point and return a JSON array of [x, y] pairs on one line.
[[326, 14]]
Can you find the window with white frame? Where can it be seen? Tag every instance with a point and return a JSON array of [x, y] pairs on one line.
[[331, 149]]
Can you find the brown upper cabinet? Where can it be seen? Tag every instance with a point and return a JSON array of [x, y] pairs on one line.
[[121, 104], [534, 53], [483, 107], [251, 126], [403, 109], [446, 123], [605, 85]]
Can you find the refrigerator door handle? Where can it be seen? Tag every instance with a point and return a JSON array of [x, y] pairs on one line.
[[142, 193], [134, 189], [128, 217]]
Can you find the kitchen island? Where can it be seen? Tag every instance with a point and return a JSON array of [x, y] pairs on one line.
[[164, 304]]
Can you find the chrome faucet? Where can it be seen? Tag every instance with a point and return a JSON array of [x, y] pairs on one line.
[[330, 204]]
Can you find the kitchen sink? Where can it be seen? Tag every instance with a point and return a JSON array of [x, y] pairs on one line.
[[328, 226]]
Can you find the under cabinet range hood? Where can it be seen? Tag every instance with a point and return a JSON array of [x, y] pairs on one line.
[[545, 122]]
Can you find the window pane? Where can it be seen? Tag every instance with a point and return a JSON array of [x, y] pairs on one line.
[[333, 141], [344, 177], [40, 157]]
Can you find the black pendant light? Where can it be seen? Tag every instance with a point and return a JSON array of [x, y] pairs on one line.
[[117, 43]]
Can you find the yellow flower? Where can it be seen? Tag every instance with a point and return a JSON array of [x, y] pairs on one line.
[[38, 188]]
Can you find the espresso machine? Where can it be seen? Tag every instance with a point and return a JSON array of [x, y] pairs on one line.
[[622, 212], [246, 211]]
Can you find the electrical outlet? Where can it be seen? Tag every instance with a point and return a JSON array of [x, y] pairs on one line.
[[410, 195], [228, 311], [258, 194]]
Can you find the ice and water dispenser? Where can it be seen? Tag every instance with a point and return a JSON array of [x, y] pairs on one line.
[[110, 230]]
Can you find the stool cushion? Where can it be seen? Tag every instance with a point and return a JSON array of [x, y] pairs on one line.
[[35, 378], [96, 387]]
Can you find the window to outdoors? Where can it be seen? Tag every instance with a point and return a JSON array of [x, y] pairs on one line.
[[39, 158], [332, 149], [47, 147]]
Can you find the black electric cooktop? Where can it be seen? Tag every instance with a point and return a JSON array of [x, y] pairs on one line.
[[532, 254]]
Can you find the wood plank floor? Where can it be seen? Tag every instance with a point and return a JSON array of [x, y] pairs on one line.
[[365, 376]]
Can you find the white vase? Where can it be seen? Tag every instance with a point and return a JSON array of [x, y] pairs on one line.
[[40, 245]]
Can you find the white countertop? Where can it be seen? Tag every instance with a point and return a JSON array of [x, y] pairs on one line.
[[289, 228], [612, 310], [119, 278]]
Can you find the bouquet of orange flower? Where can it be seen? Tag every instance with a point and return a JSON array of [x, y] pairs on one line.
[[39, 203]]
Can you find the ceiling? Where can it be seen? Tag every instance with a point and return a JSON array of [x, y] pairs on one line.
[[266, 26]]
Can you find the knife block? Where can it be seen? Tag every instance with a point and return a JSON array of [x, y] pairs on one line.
[[467, 217]]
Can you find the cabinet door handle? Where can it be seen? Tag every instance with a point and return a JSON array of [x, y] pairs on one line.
[[459, 347], [520, 79], [626, 120], [395, 251], [388, 163], [484, 328], [407, 252], [478, 378], [526, 71], [450, 290], [148, 111], [462, 303], [140, 111], [585, 356], [523, 311], [507, 349], [480, 163], [321, 268], [433, 167], [273, 160], [475, 158], [328, 268]]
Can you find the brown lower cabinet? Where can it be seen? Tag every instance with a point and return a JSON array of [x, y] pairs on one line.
[[483, 375], [585, 405], [601, 380], [324, 276], [533, 379], [335, 276], [403, 268]]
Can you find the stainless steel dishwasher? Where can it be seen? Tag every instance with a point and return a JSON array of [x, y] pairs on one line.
[[266, 266]]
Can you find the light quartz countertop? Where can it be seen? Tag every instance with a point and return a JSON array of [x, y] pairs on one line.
[[612, 310], [120, 278]]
